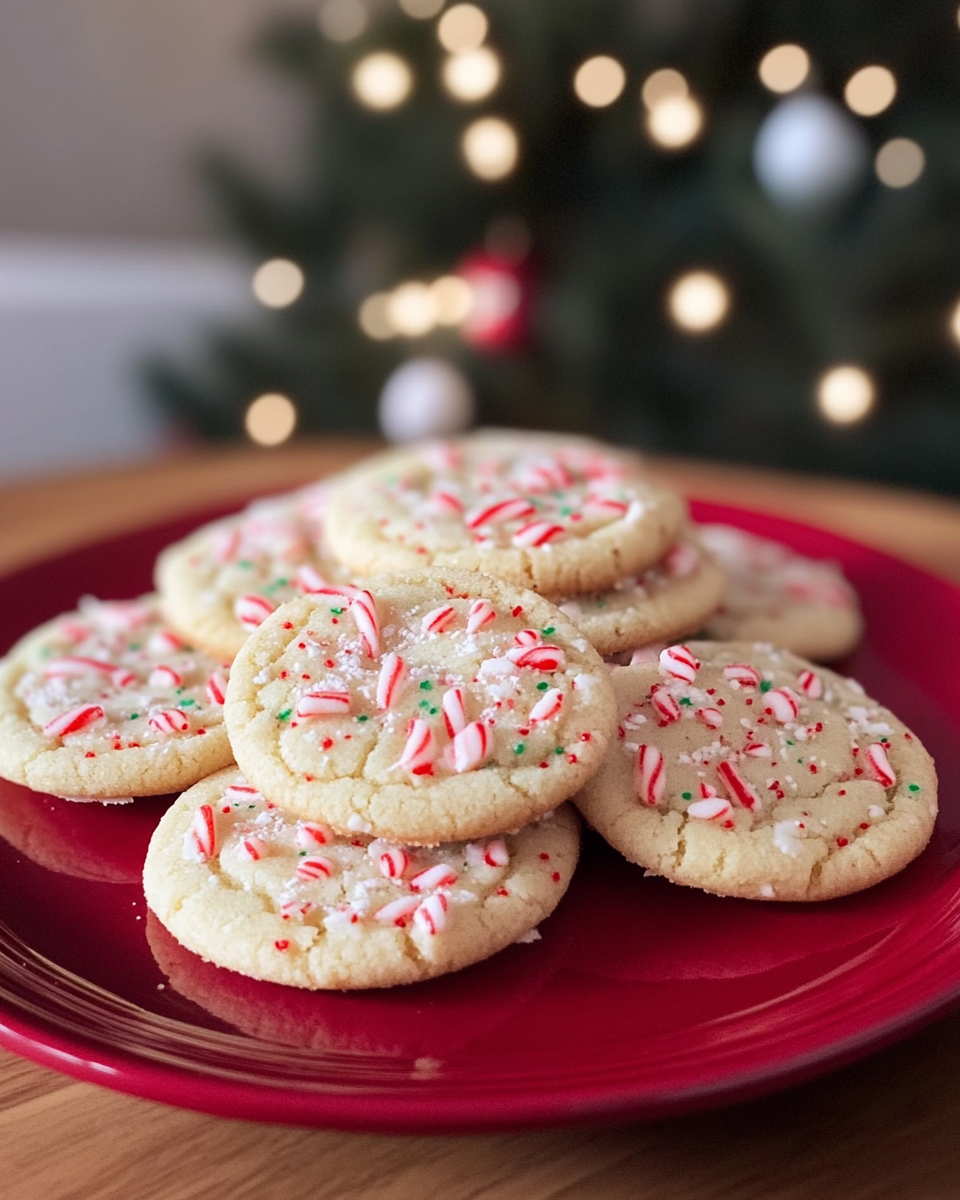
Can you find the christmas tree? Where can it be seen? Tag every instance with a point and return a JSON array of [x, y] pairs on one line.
[[712, 229]]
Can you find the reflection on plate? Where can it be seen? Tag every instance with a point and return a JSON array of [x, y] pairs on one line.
[[642, 999]]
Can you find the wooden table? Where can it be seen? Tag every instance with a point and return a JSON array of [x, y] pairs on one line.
[[884, 1127]]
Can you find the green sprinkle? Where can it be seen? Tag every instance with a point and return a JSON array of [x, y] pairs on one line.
[[46, 651], [302, 853], [245, 563], [180, 691], [284, 714], [789, 743], [566, 511], [362, 718], [281, 582], [542, 687], [519, 748], [336, 611], [765, 685], [913, 787], [883, 739], [686, 795], [685, 700], [251, 806], [601, 604], [550, 629], [424, 703], [426, 686], [558, 749], [434, 711], [136, 645], [133, 716], [188, 703]]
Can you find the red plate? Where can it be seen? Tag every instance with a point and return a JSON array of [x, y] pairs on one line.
[[642, 999]]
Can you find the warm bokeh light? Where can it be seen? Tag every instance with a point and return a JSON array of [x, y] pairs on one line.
[[662, 85], [472, 75], [422, 10], [277, 282], [955, 322], [374, 317], [452, 299], [870, 91], [490, 148], [784, 68], [342, 20], [270, 419], [382, 80], [899, 162], [675, 122], [599, 81], [411, 309], [462, 28], [845, 394], [698, 301]]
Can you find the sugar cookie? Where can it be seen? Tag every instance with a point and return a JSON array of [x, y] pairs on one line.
[[558, 515], [745, 771], [776, 595], [240, 882], [108, 703], [433, 705]]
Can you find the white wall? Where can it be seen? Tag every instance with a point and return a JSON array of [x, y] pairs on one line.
[[102, 101]]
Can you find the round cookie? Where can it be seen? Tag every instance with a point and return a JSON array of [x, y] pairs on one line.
[[242, 883], [436, 705], [108, 703], [745, 771], [776, 595], [667, 601], [219, 583], [560, 515]]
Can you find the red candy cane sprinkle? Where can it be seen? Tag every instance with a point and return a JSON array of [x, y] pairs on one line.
[[481, 613], [879, 765], [470, 747], [431, 915], [312, 833], [711, 717], [538, 533], [364, 609], [216, 688], [252, 849], [454, 711], [203, 832], [496, 854], [438, 619], [252, 610], [391, 680], [677, 662], [665, 706], [393, 863], [323, 703], [810, 684], [437, 876], [737, 787], [782, 705], [165, 677], [169, 720], [420, 750], [500, 513], [71, 667], [538, 658], [650, 775], [397, 911], [81, 717], [742, 674], [549, 705], [315, 866]]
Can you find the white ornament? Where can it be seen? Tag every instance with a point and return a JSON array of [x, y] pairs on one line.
[[809, 153], [425, 397]]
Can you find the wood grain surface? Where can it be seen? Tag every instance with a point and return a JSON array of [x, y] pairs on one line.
[[883, 1128]]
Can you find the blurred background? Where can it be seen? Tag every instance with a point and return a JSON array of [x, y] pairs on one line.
[[715, 228]]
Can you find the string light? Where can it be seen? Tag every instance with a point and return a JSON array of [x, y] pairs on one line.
[[471, 75], [899, 162], [270, 419], [955, 322], [382, 80], [421, 10], [462, 28], [784, 68], [662, 85], [452, 299], [490, 147], [675, 122], [599, 81], [277, 283], [845, 394], [698, 301], [411, 309], [870, 91], [342, 20], [374, 317]]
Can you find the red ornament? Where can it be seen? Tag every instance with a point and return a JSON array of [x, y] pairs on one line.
[[499, 316]]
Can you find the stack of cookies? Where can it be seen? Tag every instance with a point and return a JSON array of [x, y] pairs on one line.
[[381, 691]]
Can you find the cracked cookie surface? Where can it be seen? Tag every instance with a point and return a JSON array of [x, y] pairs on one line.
[[433, 705], [559, 515], [249, 887], [746, 771], [109, 703]]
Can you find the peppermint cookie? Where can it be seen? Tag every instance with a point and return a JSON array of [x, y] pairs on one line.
[[220, 582], [776, 595], [666, 601], [558, 515], [108, 703], [242, 883], [434, 705], [745, 771]]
